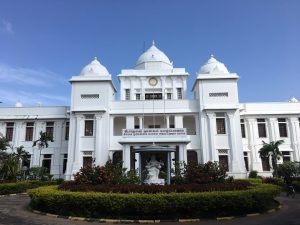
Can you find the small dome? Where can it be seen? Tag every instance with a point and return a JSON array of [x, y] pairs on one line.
[[18, 104], [153, 58], [94, 69], [213, 66], [293, 100]]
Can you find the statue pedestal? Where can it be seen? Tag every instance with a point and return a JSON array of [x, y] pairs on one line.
[[156, 181]]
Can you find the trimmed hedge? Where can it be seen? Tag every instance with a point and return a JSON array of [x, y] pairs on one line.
[[22, 186], [153, 189], [153, 206]]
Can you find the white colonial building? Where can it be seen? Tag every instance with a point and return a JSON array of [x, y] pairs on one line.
[[154, 117]]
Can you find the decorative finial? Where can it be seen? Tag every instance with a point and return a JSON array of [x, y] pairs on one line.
[[153, 43], [95, 58], [211, 55]]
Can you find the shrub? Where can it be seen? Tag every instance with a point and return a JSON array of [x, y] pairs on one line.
[[287, 169], [210, 172], [154, 206], [273, 180], [39, 173], [22, 186], [134, 188], [296, 185], [253, 174], [111, 173]]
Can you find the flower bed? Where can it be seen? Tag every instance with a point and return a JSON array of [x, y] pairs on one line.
[[22, 186], [153, 206], [130, 188]]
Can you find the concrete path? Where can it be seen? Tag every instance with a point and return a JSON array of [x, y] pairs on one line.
[[13, 211]]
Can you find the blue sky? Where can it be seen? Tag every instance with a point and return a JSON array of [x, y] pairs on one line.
[[44, 43]]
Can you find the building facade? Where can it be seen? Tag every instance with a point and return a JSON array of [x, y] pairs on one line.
[[153, 114]]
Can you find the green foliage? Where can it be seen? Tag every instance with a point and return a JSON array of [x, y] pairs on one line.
[[39, 173], [287, 169], [11, 164], [4, 143], [111, 173], [153, 206], [253, 174], [43, 141], [271, 150], [296, 185], [210, 172], [254, 181], [22, 186]]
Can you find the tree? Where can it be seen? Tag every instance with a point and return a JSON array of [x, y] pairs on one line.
[[42, 142], [271, 150], [4, 143], [11, 165]]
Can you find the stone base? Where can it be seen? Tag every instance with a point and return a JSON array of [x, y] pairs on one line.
[[158, 182]]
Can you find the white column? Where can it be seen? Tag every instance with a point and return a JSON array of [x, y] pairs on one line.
[[126, 156], [178, 121], [273, 129], [174, 93], [294, 127], [97, 154], [182, 153], [212, 124], [79, 133], [168, 121], [252, 140], [235, 140], [141, 122], [129, 122]]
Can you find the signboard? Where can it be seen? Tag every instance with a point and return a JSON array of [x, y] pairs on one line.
[[154, 132]]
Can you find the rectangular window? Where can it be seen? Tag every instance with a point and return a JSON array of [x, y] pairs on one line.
[[286, 156], [243, 128], [87, 161], [138, 96], [136, 126], [262, 131], [179, 93], [50, 129], [88, 127], [246, 159], [47, 162], [154, 126], [65, 162], [151, 96], [223, 158], [67, 131], [282, 127], [127, 94], [29, 131], [10, 131], [265, 164], [169, 96], [221, 123], [223, 161]]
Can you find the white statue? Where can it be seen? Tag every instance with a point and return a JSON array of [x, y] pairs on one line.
[[153, 167]]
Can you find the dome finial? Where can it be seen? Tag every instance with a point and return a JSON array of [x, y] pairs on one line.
[[212, 56], [153, 43], [95, 58]]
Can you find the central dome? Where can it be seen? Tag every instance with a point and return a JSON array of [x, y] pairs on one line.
[[95, 68], [153, 58]]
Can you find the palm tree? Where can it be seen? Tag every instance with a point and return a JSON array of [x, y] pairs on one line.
[[42, 142], [271, 150]]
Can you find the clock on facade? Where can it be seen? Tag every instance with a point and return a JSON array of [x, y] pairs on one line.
[[152, 81]]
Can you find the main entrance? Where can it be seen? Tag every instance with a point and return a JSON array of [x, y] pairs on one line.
[[155, 161]]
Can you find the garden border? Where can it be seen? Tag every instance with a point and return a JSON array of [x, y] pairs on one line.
[[41, 199]]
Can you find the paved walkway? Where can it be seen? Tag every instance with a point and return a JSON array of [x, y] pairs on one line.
[[13, 211]]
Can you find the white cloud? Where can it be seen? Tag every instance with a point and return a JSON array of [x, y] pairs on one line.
[[6, 27], [31, 77]]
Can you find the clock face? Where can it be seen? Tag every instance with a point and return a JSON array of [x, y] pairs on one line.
[[152, 81]]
